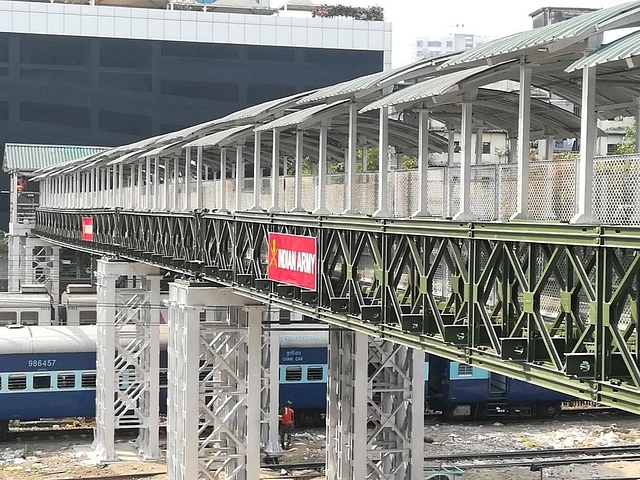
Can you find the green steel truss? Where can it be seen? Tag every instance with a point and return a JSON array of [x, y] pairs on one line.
[[552, 304]]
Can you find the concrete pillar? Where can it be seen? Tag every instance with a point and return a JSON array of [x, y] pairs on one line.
[[299, 159], [588, 138], [350, 163], [275, 173], [524, 133], [321, 207], [465, 213], [423, 164], [383, 165]]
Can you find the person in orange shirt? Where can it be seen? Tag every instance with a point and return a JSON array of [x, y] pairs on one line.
[[287, 420]]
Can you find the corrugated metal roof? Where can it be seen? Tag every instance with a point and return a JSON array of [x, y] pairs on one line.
[[298, 117], [422, 90], [215, 138], [29, 158], [577, 28], [371, 81], [259, 110], [621, 49]]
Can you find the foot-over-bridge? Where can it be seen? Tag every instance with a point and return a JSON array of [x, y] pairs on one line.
[[528, 268]]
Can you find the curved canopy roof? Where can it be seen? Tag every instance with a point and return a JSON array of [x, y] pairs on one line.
[[624, 48], [554, 37]]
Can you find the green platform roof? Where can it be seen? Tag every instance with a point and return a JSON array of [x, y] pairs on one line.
[[27, 158], [622, 49]]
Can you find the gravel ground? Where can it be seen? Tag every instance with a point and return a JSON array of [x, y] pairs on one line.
[[56, 459]]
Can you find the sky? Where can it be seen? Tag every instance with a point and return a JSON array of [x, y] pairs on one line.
[[414, 18]]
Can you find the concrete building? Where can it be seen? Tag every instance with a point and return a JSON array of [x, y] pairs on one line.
[[550, 15], [100, 75], [435, 45]]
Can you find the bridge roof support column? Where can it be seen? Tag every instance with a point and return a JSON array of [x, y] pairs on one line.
[[156, 183], [549, 140], [165, 187], [187, 181], [321, 206], [120, 189], [524, 135], [383, 165], [139, 205], [223, 180], [350, 161], [297, 207], [446, 191], [94, 188], [465, 214], [127, 384], [239, 176], [275, 173], [423, 164], [257, 172], [636, 101], [588, 139], [199, 173], [176, 175], [479, 141]]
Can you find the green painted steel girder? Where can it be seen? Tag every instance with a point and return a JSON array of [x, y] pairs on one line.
[[551, 304]]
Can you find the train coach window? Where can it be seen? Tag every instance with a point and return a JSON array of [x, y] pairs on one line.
[[314, 374], [41, 380], [17, 382], [7, 318], [29, 318], [465, 370], [87, 317], [293, 374], [66, 380], [88, 380]]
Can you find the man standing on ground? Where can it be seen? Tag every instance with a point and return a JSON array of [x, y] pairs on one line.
[[287, 420]]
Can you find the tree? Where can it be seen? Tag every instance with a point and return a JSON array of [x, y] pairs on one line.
[[628, 144]]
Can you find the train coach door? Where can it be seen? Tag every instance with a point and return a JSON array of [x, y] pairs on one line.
[[497, 398]]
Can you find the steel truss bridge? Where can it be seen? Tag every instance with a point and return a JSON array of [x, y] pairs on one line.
[[480, 293]]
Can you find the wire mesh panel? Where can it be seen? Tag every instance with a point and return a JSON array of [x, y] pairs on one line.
[[508, 199], [309, 192], [336, 191], [483, 192], [405, 192], [367, 192], [265, 192], [616, 189], [552, 189], [210, 194]]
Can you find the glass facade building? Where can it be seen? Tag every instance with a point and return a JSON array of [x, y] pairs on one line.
[[82, 90]]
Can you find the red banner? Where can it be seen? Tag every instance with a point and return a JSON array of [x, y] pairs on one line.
[[293, 260], [87, 229]]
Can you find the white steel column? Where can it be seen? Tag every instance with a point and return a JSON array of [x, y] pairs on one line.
[[423, 164], [636, 101], [94, 187], [446, 191], [199, 178], [176, 174], [299, 159], [549, 147], [139, 202], [588, 139], [127, 383], [213, 422], [383, 165], [524, 133], [375, 383], [270, 386], [479, 141], [350, 164], [120, 202], [187, 181], [275, 173], [321, 208], [166, 206], [132, 193], [223, 180], [239, 176], [257, 172], [465, 214], [156, 183]]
